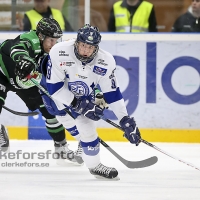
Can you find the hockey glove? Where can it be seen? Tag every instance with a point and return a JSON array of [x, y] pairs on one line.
[[131, 131], [99, 100], [88, 109], [24, 66]]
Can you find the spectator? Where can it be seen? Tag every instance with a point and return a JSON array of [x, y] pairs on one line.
[[132, 16], [189, 21], [42, 9]]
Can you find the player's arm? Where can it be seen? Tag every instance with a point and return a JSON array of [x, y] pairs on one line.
[[111, 91], [114, 98], [24, 63]]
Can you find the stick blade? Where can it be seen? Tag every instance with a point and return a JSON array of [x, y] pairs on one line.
[[20, 113], [142, 163], [131, 164]]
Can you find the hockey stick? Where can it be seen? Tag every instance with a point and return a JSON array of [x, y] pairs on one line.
[[20, 113], [130, 164], [46, 92], [151, 145]]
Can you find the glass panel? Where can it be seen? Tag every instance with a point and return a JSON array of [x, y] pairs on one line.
[[12, 12], [166, 13]]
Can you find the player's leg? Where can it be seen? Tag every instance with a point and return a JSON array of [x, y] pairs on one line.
[[91, 149], [69, 124], [66, 120], [33, 101], [57, 133], [4, 137]]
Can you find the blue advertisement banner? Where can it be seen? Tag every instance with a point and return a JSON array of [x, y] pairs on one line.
[[37, 129]]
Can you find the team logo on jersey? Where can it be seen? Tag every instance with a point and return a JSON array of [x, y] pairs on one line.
[[35, 41], [66, 63], [102, 62], [78, 88], [99, 70], [62, 53], [80, 76]]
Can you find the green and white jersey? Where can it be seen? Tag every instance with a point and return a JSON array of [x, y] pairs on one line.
[[27, 44]]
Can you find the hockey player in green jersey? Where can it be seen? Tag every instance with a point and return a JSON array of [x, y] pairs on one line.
[[18, 57]]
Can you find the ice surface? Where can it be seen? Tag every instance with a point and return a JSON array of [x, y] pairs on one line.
[[168, 179]]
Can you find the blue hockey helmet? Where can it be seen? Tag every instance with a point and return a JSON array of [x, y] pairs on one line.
[[90, 35]]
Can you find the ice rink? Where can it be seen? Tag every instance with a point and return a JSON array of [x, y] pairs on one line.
[[168, 179]]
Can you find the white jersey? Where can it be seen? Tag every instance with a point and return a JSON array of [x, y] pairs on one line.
[[68, 77]]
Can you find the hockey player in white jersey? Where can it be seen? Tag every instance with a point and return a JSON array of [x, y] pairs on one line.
[[74, 69]]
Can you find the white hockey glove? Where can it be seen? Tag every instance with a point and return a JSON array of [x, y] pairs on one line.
[[99, 100]]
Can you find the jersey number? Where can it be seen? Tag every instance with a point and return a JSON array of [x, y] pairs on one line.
[[113, 85], [48, 72]]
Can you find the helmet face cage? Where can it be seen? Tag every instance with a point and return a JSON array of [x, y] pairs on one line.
[[48, 27], [89, 35]]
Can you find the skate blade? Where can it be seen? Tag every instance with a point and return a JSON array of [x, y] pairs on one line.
[[5, 150], [79, 160], [107, 179], [78, 164]]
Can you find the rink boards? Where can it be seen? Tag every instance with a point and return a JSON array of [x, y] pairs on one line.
[[159, 76]]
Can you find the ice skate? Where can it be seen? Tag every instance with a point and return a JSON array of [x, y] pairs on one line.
[[78, 154], [103, 172], [4, 140], [62, 153]]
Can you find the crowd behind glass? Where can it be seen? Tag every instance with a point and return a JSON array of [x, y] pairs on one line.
[[109, 15]]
